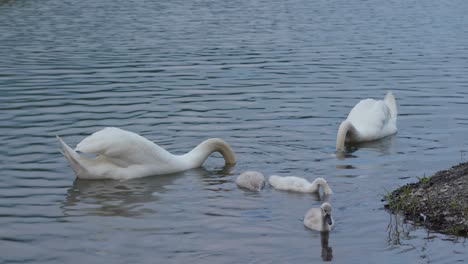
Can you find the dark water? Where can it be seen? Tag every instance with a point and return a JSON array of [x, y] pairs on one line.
[[273, 78]]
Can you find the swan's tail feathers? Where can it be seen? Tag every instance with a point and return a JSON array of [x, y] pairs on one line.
[[391, 103], [73, 159]]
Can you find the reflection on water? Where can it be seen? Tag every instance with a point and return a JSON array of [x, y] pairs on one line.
[[402, 232], [215, 178], [327, 251], [127, 198], [383, 146], [397, 229], [114, 198]]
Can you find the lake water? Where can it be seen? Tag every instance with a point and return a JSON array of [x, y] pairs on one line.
[[273, 78]]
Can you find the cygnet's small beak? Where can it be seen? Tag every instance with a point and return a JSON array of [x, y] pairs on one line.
[[328, 219]]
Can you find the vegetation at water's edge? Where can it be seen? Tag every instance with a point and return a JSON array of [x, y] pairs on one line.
[[439, 202]]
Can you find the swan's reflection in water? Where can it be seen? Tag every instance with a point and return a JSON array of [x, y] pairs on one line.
[[382, 146], [127, 198], [323, 197], [114, 198], [327, 251], [212, 178], [316, 196]]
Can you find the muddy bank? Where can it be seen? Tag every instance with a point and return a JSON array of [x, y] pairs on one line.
[[439, 202]]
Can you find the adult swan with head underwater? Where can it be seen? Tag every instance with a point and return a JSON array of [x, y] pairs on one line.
[[369, 120], [123, 155]]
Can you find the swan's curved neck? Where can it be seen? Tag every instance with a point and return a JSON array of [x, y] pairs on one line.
[[201, 152], [345, 127], [319, 182]]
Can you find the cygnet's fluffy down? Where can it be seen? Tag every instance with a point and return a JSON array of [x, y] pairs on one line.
[[320, 219], [251, 180], [296, 184]]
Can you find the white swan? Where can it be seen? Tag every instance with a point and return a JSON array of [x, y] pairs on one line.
[[251, 180], [296, 184], [369, 120], [123, 155], [319, 219]]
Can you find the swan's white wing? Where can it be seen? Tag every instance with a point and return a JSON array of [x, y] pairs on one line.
[[123, 147], [371, 119], [312, 219]]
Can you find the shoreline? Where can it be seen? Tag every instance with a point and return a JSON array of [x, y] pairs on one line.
[[438, 202]]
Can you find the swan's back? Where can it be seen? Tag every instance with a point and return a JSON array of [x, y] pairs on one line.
[[374, 119], [123, 147], [369, 114], [289, 183]]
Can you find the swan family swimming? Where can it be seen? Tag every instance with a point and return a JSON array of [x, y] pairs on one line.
[[319, 219], [123, 155]]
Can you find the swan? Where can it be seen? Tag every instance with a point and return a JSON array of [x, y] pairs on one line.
[[123, 155], [369, 120], [296, 184], [251, 180], [319, 219]]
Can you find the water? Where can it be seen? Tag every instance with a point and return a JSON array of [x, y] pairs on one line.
[[273, 78]]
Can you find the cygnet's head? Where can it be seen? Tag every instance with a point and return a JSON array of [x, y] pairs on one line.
[[326, 209]]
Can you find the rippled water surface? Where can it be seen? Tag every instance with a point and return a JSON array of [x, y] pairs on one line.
[[273, 78]]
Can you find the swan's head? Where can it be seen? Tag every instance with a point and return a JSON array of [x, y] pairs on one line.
[[326, 209]]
